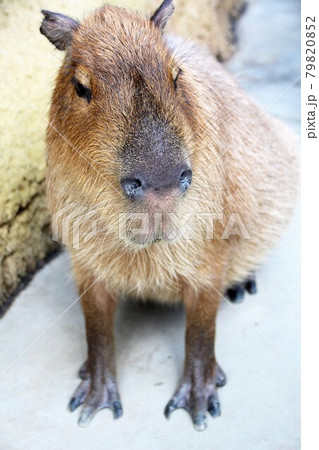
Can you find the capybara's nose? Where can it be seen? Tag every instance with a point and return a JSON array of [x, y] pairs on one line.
[[136, 186], [133, 188]]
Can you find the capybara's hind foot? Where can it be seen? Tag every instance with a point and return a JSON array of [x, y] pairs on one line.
[[102, 394], [197, 396], [236, 292]]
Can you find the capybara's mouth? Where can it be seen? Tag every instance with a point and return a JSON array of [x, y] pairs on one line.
[[148, 239], [148, 228]]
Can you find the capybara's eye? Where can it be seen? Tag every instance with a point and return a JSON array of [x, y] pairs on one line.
[[81, 90]]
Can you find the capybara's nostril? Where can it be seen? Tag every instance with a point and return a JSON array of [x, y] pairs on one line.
[[185, 179], [132, 187]]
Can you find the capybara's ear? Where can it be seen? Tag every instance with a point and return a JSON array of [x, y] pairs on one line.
[[163, 13], [58, 28]]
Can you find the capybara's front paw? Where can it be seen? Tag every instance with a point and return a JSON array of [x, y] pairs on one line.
[[96, 396], [197, 396]]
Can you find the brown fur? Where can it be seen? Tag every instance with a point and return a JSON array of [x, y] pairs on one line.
[[240, 164]]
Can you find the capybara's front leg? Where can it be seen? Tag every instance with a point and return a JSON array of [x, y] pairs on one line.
[[197, 391], [99, 387]]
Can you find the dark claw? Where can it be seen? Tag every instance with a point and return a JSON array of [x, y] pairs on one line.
[[117, 410], [169, 408], [236, 294], [251, 286], [74, 403], [79, 396], [214, 408]]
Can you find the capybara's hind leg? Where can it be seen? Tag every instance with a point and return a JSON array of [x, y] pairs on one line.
[[98, 388], [197, 390], [236, 292]]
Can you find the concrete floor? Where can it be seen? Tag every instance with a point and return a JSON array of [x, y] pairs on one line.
[[258, 341]]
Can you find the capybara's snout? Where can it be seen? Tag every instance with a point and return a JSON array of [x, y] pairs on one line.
[[154, 158]]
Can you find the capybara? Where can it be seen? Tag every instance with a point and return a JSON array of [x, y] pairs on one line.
[[176, 183]]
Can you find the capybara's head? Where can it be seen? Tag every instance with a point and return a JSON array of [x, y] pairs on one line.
[[122, 117]]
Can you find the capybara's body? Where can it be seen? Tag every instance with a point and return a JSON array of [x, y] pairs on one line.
[[133, 104]]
